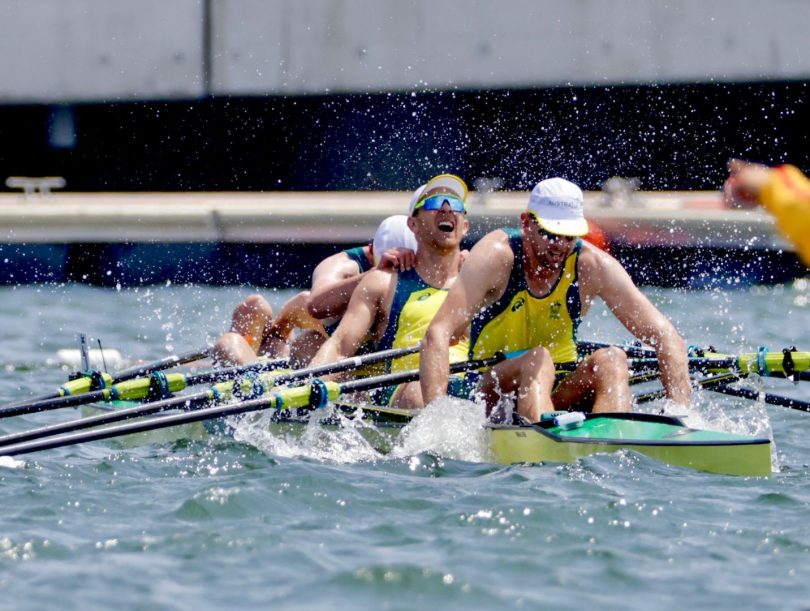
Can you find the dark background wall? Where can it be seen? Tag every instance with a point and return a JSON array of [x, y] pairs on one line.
[[671, 137]]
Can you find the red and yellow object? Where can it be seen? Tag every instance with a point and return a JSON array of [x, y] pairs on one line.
[[786, 195]]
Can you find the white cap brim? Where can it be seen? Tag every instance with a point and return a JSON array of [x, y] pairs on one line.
[[576, 228], [415, 198]]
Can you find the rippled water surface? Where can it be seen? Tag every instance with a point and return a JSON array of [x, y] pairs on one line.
[[322, 521]]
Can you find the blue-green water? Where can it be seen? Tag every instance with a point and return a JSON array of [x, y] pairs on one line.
[[325, 522]]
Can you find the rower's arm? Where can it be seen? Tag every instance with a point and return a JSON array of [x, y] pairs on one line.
[[614, 285], [480, 278], [333, 283], [293, 315], [357, 322]]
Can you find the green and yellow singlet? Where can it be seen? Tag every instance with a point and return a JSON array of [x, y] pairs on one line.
[[413, 308], [358, 255], [519, 320]]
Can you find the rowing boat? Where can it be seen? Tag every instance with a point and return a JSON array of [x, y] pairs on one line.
[[664, 438], [557, 438]]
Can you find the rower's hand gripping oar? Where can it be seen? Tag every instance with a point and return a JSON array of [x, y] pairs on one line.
[[248, 386], [311, 396], [91, 380]]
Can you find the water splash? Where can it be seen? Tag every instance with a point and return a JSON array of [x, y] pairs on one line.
[[453, 428], [348, 441], [450, 428], [7, 462]]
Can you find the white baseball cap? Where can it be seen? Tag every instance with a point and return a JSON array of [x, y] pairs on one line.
[[415, 198], [439, 184], [393, 232], [556, 204]]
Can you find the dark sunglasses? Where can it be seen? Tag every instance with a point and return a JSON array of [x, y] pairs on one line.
[[555, 237], [436, 202]]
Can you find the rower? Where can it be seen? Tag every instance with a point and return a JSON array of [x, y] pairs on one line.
[[395, 307], [315, 313], [527, 288]]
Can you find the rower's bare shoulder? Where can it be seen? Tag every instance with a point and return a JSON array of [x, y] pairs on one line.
[[493, 250], [378, 281], [486, 270], [594, 259], [336, 267], [597, 266]]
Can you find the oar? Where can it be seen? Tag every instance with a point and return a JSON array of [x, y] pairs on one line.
[[312, 395], [218, 393], [770, 363], [720, 383], [84, 383], [136, 389], [723, 378], [632, 350], [139, 388], [747, 393], [161, 364]]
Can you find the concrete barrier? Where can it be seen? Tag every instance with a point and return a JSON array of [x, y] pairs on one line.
[[274, 239]]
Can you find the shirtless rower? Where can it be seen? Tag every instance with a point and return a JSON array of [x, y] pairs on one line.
[[528, 288]]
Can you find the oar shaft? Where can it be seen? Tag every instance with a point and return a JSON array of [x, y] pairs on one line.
[[136, 388], [52, 403], [143, 426], [118, 415], [722, 378], [160, 365], [43, 397], [229, 373], [747, 393], [631, 350], [354, 362], [403, 377]]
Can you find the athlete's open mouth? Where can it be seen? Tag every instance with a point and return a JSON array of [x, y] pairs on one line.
[[446, 226]]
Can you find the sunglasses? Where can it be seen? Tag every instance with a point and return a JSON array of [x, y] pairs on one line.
[[436, 202], [554, 237]]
